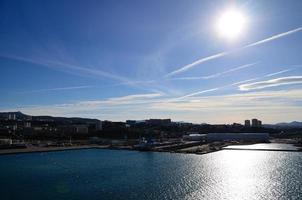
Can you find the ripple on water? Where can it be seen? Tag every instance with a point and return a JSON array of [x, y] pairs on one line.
[[106, 174]]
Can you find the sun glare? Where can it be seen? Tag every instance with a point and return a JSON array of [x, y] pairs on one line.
[[231, 24]]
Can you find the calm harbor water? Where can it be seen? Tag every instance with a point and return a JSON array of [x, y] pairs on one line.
[[111, 174]]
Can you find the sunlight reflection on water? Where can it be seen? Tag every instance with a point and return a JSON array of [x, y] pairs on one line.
[[107, 174]]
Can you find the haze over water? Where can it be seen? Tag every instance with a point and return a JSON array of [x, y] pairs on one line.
[[110, 174]]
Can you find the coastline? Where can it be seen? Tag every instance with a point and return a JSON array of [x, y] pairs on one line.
[[198, 149], [48, 149]]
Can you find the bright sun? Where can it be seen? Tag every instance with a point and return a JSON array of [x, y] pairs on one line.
[[231, 24]]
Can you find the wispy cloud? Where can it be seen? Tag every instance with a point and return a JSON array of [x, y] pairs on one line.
[[233, 102], [232, 84], [216, 74], [57, 89], [67, 67], [132, 98], [271, 106], [222, 54], [82, 71], [271, 83], [202, 60], [277, 73], [257, 78], [124, 100], [244, 81], [274, 37], [197, 93]]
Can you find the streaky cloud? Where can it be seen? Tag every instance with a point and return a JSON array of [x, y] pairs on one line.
[[271, 83], [217, 74], [57, 89], [133, 99], [232, 84], [222, 54], [202, 60], [277, 73], [136, 97], [79, 70], [257, 78], [198, 93], [274, 37], [248, 104], [244, 81], [62, 66]]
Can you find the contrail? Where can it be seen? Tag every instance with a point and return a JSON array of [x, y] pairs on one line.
[[274, 37], [271, 83], [222, 54], [186, 67], [57, 89], [199, 92], [232, 84], [217, 74], [77, 69], [280, 72]]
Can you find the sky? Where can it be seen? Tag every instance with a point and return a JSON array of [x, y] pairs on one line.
[[118, 60]]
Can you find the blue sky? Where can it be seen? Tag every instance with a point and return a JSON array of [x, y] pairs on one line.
[[121, 60]]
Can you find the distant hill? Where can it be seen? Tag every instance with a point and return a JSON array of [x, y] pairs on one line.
[[293, 124], [19, 115], [65, 120], [284, 125]]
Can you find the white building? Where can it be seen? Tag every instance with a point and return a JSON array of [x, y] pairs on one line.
[[12, 116]]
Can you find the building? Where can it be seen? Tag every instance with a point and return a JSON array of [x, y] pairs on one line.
[[259, 137], [12, 116], [247, 123], [81, 128], [256, 123], [98, 126], [27, 124]]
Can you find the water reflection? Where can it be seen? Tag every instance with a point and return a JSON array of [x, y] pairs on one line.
[[265, 146], [249, 175], [106, 174]]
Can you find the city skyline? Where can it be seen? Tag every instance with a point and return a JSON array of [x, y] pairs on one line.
[[117, 61]]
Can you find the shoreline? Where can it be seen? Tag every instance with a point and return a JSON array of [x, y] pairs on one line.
[[197, 151], [48, 149]]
